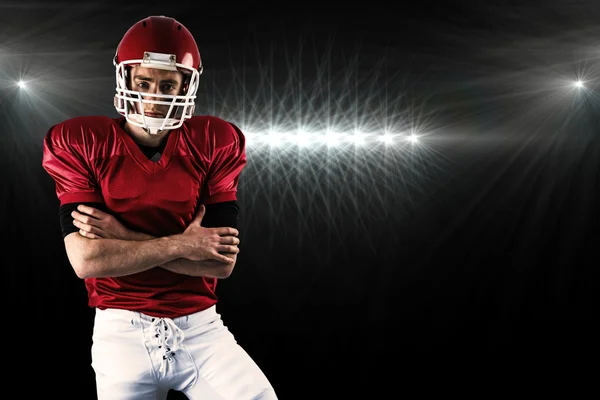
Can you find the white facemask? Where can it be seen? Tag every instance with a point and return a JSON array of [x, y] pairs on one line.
[[181, 107]]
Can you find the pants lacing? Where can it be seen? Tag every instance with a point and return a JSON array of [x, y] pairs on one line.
[[169, 336]]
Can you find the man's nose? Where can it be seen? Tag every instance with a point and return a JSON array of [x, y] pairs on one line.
[[153, 90], [153, 106]]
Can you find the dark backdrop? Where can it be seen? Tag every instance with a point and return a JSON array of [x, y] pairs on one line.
[[471, 251]]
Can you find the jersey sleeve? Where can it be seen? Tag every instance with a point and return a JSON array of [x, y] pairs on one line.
[[227, 162], [68, 164]]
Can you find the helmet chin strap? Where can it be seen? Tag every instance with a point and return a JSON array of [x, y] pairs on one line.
[[151, 125], [154, 131]]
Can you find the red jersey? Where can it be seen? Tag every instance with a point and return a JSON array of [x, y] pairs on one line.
[[92, 159]]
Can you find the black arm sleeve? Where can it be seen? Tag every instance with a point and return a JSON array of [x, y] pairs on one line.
[[221, 214], [66, 220]]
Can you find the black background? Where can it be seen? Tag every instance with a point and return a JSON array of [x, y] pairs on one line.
[[472, 253]]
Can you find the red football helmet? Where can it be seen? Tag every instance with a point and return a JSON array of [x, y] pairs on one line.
[[164, 43]]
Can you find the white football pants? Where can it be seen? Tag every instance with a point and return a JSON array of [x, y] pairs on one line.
[[136, 356]]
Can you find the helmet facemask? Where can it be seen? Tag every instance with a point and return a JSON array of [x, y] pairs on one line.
[[130, 103]]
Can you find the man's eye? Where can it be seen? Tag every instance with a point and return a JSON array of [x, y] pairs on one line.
[[168, 88], [143, 85]]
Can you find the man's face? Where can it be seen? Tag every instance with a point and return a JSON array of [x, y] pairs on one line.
[[155, 81]]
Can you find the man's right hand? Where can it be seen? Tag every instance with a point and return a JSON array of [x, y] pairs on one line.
[[199, 243]]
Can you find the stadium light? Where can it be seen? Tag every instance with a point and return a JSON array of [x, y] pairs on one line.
[[329, 138], [413, 138]]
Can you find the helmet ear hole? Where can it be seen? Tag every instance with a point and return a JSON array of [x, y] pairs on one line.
[[185, 85]]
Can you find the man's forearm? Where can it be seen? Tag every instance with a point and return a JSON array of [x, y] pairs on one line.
[[205, 268], [93, 258]]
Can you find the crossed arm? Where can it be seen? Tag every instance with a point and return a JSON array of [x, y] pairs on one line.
[[103, 247]]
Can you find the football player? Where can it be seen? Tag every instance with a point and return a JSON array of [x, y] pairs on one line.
[[148, 212]]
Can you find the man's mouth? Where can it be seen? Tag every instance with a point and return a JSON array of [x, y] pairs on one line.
[[153, 114]]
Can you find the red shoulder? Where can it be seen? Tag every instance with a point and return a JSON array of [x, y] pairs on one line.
[[214, 131], [81, 131]]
